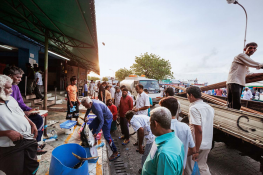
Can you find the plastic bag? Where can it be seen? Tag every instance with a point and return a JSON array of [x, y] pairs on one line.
[[195, 170]]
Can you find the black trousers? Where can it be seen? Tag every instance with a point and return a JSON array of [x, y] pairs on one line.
[[124, 127], [20, 159], [38, 92], [74, 114], [234, 92], [38, 120]]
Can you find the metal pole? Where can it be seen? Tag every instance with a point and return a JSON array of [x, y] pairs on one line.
[[246, 23], [78, 82], [55, 95], [46, 76], [46, 69]]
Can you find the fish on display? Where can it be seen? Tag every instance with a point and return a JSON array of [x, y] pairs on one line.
[[87, 137], [81, 160]]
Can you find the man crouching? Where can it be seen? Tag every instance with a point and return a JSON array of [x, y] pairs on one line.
[[18, 146]]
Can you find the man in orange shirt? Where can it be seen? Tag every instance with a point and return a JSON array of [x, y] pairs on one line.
[[73, 102]]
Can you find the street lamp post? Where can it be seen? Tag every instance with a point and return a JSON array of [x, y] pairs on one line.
[[113, 74], [235, 2]]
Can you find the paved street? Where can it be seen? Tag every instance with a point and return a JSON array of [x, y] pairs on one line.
[[222, 160]]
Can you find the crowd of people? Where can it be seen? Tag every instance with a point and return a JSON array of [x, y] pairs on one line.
[[166, 144]]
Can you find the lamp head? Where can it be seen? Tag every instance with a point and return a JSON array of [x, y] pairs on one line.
[[231, 1]]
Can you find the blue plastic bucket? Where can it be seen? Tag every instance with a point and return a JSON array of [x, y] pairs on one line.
[[63, 161], [89, 155]]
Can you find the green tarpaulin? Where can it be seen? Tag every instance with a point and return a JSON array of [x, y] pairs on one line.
[[71, 26]]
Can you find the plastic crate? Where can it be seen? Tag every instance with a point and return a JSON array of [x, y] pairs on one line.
[[91, 118], [68, 124]]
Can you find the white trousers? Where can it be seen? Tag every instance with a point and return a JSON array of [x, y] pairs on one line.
[[202, 163]]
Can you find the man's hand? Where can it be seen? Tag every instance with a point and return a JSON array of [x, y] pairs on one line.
[[95, 135], [14, 135], [195, 156], [141, 151], [86, 119], [79, 102], [27, 113], [135, 109], [34, 130], [71, 105]]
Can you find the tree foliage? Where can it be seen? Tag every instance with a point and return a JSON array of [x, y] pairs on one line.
[[122, 73], [105, 79], [152, 66], [93, 78]]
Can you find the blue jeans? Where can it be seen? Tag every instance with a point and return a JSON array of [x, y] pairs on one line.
[[38, 120], [106, 131]]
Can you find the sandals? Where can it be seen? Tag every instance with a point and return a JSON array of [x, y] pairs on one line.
[[42, 146], [114, 157], [125, 142], [41, 152], [135, 144], [137, 150], [121, 137]]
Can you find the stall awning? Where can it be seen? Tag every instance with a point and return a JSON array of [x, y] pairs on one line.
[[71, 26]]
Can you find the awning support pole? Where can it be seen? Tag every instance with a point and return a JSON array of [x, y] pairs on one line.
[[46, 69], [46, 76], [79, 94]]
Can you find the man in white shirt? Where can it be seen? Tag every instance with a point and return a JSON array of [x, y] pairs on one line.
[[237, 75], [201, 118], [18, 146], [39, 84], [181, 130], [142, 101], [112, 91], [247, 95], [141, 125], [117, 96], [91, 88]]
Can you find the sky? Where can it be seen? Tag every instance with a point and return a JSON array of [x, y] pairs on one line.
[[199, 38]]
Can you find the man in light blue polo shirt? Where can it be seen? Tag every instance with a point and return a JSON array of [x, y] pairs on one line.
[[167, 153]]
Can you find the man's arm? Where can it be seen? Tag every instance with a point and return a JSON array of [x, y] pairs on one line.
[[130, 104], [86, 114], [99, 115], [33, 127], [198, 136], [11, 134], [249, 62], [115, 111], [140, 139]]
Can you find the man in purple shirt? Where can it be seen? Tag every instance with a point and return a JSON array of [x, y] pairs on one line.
[[16, 74]]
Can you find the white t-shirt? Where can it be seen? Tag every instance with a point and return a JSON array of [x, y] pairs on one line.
[[141, 101], [247, 95], [39, 77], [117, 98], [183, 132], [143, 121], [202, 114], [12, 117], [112, 91], [91, 86]]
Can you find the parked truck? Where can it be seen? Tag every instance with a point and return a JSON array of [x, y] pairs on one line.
[[151, 85]]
